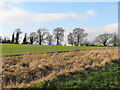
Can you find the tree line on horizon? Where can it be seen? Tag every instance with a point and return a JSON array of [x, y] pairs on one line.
[[77, 37]]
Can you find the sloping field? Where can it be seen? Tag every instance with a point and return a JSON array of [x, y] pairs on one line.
[[28, 69], [14, 49]]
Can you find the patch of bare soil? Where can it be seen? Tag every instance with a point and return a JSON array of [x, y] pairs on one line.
[[30, 68]]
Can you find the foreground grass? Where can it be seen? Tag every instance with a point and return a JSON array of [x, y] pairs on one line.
[[13, 49], [106, 76]]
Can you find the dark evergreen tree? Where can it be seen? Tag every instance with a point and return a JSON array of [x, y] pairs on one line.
[[18, 32], [25, 39], [13, 38]]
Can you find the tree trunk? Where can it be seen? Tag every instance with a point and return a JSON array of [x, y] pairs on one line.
[[104, 44], [57, 41], [78, 41], [40, 40]]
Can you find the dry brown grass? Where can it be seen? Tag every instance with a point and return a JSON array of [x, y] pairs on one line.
[[31, 68]]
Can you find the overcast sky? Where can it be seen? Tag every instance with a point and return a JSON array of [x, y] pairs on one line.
[[95, 17]]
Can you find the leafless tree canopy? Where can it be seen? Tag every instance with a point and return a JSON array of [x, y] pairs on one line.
[[50, 39], [41, 35], [76, 37], [70, 39], [32, 37], [59, 35], [79, 35], [103, 39], [114, 39]]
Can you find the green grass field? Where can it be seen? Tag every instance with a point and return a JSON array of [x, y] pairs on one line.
[[106, 76], [13, 49]]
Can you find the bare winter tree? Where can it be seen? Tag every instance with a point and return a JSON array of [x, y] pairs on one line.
[[25, 39], [59, 35], [103, 39], [32, 37], [79, 35], [114, 39], [42, 34], [49, 38], [18, 32], [70, 39]]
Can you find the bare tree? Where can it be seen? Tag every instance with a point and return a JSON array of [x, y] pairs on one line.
[[18, 32], [50, 40], [70, 39], [59, 35], [42, 34], [32, 37], [103, 39], [25, 39], [79, 35], [114, 39]]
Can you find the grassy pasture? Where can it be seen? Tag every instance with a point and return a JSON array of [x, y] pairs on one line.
[[13, 49]]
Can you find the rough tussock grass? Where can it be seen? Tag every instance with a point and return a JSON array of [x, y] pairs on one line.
[[105, 76], [28, 69]]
